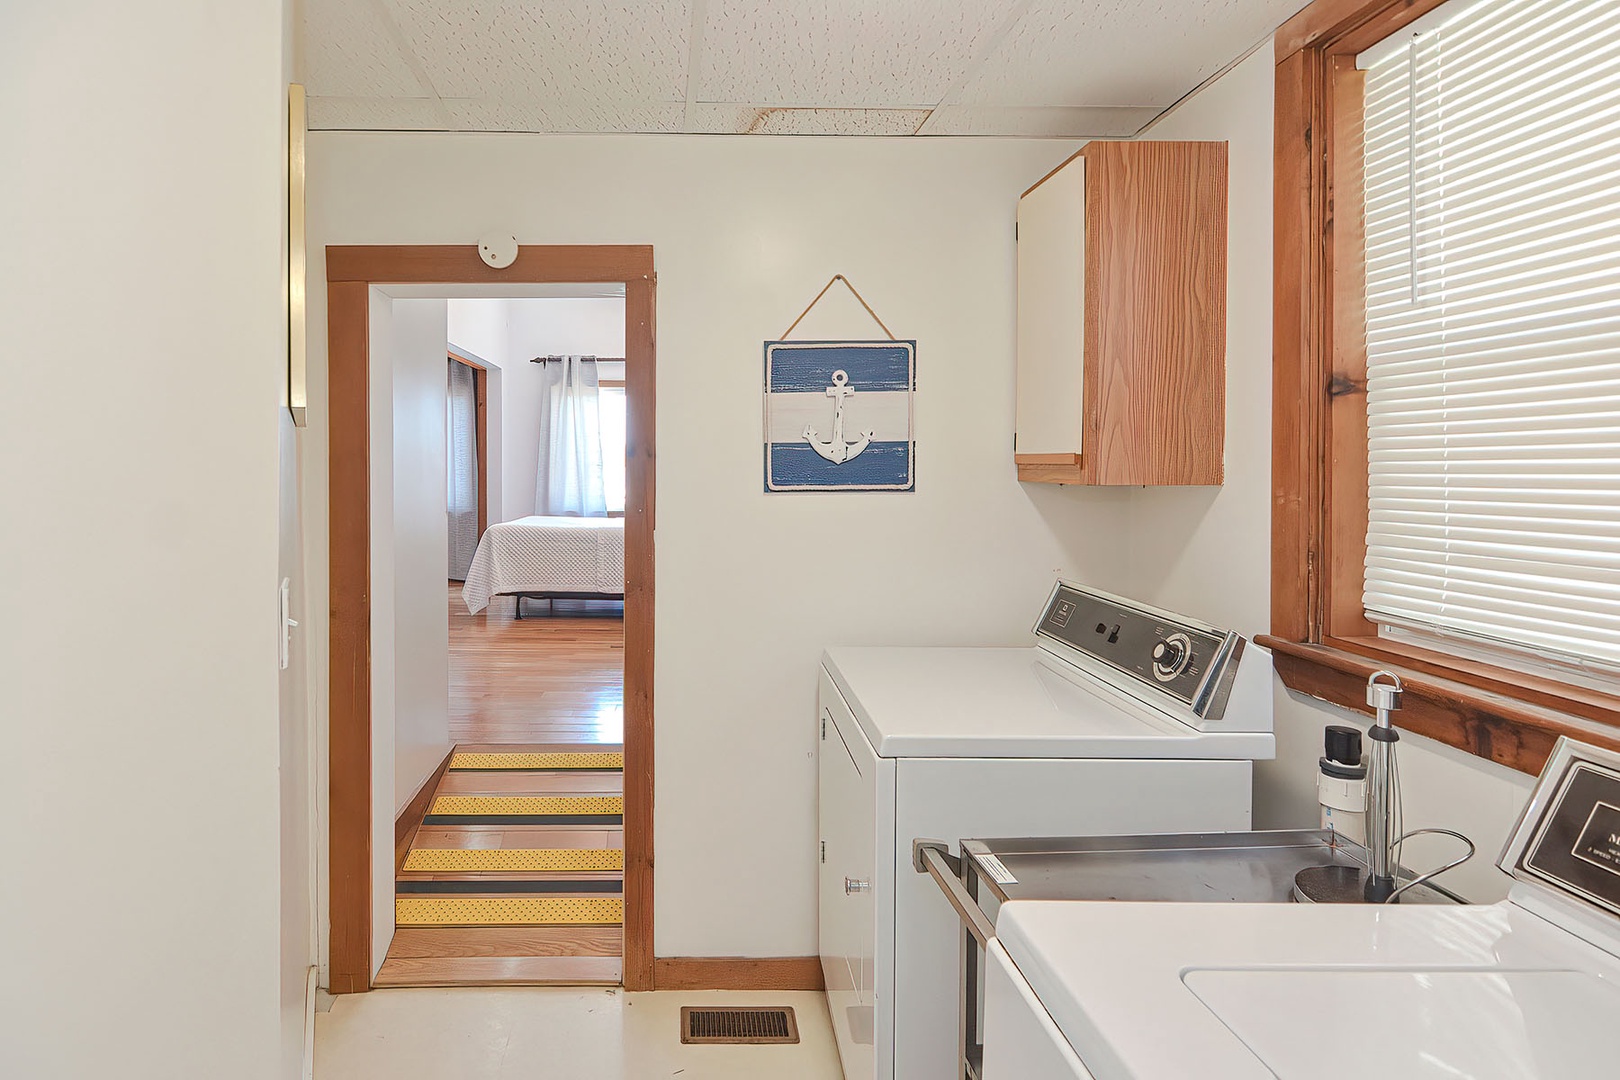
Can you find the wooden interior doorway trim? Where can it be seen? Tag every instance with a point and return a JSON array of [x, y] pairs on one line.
[[480, 433], [350, 274]]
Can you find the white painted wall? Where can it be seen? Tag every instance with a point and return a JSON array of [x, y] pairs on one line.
[[410, 630], [298, 902], [479, 326], [142, 225], [752, 587], [1207, 550], [553, 326], [384, 660], [299, 761], [421, 546]]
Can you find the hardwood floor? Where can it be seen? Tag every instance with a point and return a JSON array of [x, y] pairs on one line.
[[539, 685], [540, 679]]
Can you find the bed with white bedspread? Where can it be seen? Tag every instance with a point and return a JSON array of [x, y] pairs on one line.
[[544, 557]]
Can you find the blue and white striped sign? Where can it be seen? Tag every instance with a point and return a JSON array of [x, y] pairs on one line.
[[838, 415]]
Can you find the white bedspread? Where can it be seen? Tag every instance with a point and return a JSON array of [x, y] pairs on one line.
[[546, 554]]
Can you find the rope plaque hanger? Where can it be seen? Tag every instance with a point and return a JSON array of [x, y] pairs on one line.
[[836, 278]]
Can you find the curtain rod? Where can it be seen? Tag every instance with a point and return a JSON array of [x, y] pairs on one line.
[[599, 359]]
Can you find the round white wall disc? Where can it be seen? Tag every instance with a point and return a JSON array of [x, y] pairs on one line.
[[498, 251]]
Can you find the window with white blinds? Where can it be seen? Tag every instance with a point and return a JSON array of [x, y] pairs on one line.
[[1493, 327]]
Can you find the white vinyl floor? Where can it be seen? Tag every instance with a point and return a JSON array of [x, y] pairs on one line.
[[541, 1033]]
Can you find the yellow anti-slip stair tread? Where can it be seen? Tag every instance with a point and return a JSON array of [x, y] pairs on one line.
[[527, 804], [507, 911], [519, 761], [473, 860]]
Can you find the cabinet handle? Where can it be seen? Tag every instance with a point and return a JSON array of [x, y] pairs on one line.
[[852, 886]]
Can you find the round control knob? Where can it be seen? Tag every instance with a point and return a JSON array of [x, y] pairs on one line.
[[1171, 657]]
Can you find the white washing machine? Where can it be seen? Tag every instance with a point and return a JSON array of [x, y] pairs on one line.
[[1119, 718], [1527, 989]]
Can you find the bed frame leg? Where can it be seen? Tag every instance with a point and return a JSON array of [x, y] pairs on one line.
[[520, 605]]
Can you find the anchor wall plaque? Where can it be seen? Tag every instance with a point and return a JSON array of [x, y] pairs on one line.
[[838, 415]]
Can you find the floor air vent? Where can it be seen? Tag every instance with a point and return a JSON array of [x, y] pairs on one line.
[[752, 1025]]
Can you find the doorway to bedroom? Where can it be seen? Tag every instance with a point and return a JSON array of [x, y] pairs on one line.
[[509, 477], [525, 825]]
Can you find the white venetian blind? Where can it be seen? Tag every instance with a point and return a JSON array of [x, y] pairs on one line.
[[1493, 327]]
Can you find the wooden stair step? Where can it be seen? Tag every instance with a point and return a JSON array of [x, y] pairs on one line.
[[526, 809], [507, 911], [498, 860], [521, 761], [451, 941], [580, 782]]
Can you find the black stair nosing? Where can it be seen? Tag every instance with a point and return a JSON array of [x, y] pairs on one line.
[[523, 819], [429, 888]]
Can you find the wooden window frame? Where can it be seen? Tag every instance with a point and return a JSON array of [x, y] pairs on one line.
[[1321, 640]]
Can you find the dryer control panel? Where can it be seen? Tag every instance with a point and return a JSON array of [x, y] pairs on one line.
[[1569, 835], [1178, 657]]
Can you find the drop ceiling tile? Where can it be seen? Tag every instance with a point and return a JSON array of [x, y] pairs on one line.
[[548, 50], [849, 53], [375, 114], [499, 114], [348, 51], [1058, 122], [838, 122], [1118, 53], [721, 118]]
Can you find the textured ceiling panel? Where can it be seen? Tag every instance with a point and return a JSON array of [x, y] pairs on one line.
[[492, 114], [721, 119], [1114, 53], [550, 50], [838, 122], [1042, 68], [1041, 123], [348, 51], [376, 114], [852, 53]]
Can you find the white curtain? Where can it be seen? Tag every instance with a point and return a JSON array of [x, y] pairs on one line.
[[569, 480], [461, 494]]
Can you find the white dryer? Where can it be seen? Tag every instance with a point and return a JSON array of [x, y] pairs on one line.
[[1119, 718], [1527, 989]]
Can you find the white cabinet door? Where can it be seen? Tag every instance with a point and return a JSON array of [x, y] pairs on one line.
[[839, 791], [848, 787], [1051, 313]]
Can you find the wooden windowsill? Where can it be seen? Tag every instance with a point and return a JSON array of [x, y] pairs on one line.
[[1511, 719]]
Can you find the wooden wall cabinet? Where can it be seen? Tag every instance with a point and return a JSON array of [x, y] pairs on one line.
[[1122, 317]]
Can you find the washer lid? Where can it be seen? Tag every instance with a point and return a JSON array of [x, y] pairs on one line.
[[1146, 990], [1010, 702], [1436, 1023]]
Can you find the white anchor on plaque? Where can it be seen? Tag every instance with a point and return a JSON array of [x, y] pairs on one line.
[[836, 449]]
